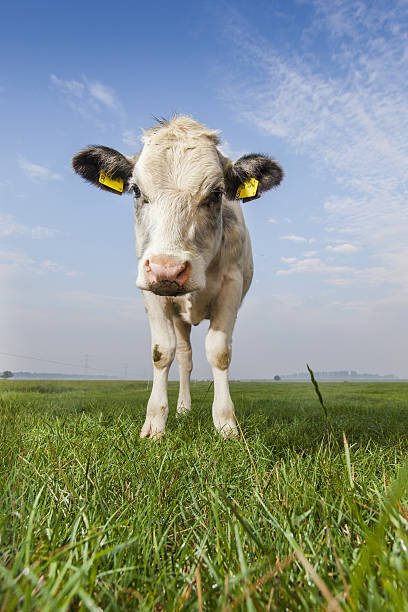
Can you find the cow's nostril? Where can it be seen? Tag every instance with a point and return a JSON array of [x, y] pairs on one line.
[[147, 265], [183, 268]]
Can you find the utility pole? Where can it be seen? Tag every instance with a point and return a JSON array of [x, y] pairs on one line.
[[85, 363]]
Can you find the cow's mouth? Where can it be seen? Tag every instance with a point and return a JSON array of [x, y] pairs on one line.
[[169, 288]]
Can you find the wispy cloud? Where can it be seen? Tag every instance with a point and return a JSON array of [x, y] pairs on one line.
[[346, 248], [285, 220], [294, 238], [103, 94], [348, 115], [132, 139], [12, 262], [342, 276], [9, 226], [311, 265], [227, 150], [37, 172], [87, 96]]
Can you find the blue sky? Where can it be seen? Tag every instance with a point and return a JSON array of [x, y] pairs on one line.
[[319, 85]]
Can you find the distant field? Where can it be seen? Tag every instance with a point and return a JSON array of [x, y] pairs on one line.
[[289, 517]]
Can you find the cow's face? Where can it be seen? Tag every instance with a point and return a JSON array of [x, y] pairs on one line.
[[179, 181]]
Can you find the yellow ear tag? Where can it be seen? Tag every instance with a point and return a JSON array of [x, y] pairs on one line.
[[247, 189], [115, 184]]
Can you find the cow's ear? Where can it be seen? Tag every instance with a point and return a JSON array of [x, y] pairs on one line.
[[104, 167], [265, 170]]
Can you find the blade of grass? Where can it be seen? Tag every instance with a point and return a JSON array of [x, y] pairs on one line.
[[323, 405]]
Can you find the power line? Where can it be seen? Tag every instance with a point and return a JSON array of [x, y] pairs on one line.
[[72, 365]]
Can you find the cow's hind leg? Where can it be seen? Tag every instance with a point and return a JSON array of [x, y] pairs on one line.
[[185, 363], [163, 350]]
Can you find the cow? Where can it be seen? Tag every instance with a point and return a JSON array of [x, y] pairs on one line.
[[193, 248]]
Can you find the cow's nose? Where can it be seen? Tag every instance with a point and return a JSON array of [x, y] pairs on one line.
[[161, 268]]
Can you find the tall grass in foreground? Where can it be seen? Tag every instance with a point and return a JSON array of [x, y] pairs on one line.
[[290, 517]]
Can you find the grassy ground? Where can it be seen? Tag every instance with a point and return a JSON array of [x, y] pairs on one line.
[[289, 517]]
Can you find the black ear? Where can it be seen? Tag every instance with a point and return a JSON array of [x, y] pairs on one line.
[[96, 159], [264, 169]]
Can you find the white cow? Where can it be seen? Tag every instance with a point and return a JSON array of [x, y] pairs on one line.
[[194, 250]]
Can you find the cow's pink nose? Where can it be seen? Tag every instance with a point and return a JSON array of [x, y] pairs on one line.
[[161, 268]]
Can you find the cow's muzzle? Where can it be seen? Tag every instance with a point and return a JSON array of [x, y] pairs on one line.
[[167, 275]]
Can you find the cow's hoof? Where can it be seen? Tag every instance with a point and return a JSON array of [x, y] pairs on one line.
[[228, 431], [182, 410], [151, 432]]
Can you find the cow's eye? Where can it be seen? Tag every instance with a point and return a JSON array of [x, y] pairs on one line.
[[213, 199], [139, 195], [217, 195]]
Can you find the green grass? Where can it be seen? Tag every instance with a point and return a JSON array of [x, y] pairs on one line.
[[292, 516]]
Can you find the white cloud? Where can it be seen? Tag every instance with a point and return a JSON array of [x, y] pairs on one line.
[[132, 139], [294, 238], [312, 265], [9, 226], [310, 254], [49, 266], [12, 262], [285, 220], [349, 115], [227, 150], [37, 172], [347, 249], [15, 259], [341, 276], [88, 96], [289, 260], [103, 93], [73, 87]]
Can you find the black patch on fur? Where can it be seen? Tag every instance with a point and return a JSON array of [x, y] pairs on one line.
[[266, 170], [90, 162]]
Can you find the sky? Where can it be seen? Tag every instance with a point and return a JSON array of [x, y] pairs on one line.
[[320, 86]]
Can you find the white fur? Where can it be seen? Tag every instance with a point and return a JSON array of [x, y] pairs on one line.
[[177, 167]]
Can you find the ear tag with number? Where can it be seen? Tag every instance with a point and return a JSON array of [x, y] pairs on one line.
[[247, 189], [114, 184]]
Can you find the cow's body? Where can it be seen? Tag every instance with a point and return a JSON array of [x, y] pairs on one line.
[[194, 251]]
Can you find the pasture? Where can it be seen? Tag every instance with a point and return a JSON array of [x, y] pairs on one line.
[[292, 516]]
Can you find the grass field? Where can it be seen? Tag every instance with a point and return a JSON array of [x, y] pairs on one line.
[[292, 516]]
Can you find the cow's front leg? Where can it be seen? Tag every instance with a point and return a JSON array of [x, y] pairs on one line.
[[185, 363], [160, 312], [218, 346]]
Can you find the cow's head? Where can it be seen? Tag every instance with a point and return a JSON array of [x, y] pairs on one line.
[[179, 180]]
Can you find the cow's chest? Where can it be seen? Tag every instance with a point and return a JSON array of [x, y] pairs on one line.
[[193, 308]]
